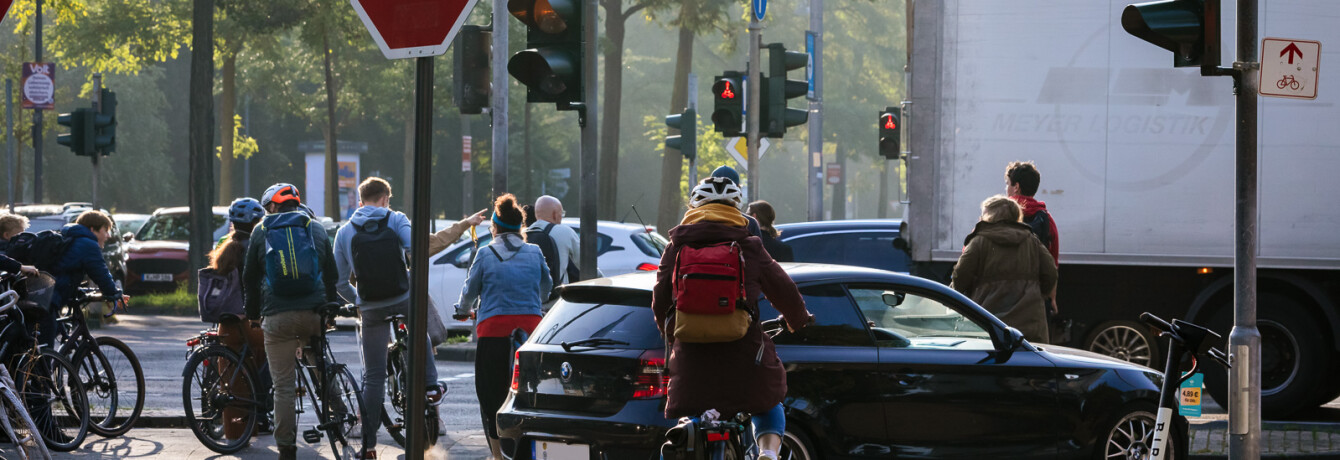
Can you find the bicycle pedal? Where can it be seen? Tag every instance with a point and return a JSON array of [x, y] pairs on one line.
[[311, 436]]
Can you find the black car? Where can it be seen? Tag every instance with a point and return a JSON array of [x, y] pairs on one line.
[[861, 243], [894, 366]]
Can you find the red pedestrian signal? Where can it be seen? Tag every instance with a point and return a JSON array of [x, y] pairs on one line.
[[888, 122], [726, 92], [889, 134], [727, 109]]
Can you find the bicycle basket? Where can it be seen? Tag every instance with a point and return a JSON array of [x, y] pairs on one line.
[[38, 289]]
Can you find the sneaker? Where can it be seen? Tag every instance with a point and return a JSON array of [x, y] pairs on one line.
[[367, 454]]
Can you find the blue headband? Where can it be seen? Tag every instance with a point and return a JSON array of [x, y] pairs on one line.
[[501, 224]]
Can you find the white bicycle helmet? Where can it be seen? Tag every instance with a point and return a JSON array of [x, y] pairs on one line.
[[715, 189]]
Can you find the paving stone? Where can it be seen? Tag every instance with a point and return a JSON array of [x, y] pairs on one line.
[[1276, 442]]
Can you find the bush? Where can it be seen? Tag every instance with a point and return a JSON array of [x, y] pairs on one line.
[[177, 303]]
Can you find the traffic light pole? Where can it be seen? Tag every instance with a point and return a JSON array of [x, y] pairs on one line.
[[37, 113], [590, 161], [816, 122], [423, 179], [754, 92], [498, 104], [1244, 342], [97, 108]]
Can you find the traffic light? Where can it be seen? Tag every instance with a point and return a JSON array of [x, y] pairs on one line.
[[774, 116], [728, 103], [687, 140], [1188, 28], [472, 84], [890, 127], [80, 137], [104, 124], [551, 64]]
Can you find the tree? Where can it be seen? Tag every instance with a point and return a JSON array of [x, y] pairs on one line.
[[615, 30]]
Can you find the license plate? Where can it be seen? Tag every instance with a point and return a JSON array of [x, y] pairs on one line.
[[158, 277], [554, 450]]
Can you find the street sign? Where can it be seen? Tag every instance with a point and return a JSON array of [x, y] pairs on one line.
[[412, 28], [809, 64], [466, 147], [833, 173], [738, 148], [38, 85], [1289, 68], [760, 8], [4, 8]]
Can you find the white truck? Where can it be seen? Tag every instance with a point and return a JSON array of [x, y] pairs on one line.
[[1137, 163]]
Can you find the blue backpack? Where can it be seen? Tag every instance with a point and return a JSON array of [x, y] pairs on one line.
[[292, 264]]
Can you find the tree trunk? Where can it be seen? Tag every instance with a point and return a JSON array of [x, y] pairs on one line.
[[227, 110], [609, 143], [201, 135], [332, 140], [839, 209], [672, 163]]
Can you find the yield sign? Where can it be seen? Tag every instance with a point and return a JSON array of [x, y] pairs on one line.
[[1289, 68], [411, 28], [738, 148]]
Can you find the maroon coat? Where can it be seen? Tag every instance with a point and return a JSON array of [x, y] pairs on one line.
[[727, 376]]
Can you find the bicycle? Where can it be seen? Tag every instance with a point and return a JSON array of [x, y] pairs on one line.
[[48, 384], [326, 376], [1184, 340], [17, 424], [220, 384], [114, 405], [397, 389]]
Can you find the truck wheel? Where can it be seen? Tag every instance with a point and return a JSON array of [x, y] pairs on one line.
[[1295, 357], [1125, 340]]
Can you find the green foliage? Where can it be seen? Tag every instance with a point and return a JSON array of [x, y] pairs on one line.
[[244, 146], [180, 302]]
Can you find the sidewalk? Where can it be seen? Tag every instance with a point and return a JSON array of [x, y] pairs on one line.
[[1209, 439], [181, 444]]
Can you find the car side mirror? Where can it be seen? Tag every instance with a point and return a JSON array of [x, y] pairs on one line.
[[894, 299], [1013, 340], [127, 236]]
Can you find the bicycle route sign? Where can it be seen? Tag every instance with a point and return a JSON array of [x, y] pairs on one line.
[[1289, 68]]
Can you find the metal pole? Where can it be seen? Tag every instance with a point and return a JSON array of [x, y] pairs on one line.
[[97, 109], [37, 115], [498, 106], [9, 136], [467, 175], [590, 138], [423, 165], [1244, 342], [754, 90], [816, 173]]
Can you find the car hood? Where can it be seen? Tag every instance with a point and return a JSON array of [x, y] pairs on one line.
[[1074, 357], [155, 246]]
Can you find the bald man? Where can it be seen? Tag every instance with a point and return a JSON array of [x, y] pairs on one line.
[[562, 250]]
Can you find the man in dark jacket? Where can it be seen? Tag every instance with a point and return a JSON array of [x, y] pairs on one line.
[[83, 258], [1021, 183], [288, 321]]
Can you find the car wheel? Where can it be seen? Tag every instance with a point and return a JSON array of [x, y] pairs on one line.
[[1131, 435], [1125, 340], [1295, 356], [796, 446]]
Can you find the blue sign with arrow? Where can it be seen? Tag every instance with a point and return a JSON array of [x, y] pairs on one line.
[[760, 9]]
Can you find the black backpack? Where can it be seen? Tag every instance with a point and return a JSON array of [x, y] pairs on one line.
[[379, 261], [549, 248], [42, 250], [1040, 224]]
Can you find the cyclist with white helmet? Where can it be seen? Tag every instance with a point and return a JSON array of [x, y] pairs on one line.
[[729, 375]]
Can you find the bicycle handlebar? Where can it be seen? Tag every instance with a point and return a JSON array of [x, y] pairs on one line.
[[338, 309], [1156, 322]]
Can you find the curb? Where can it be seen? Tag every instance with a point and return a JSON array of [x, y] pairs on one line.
[[464, 353]]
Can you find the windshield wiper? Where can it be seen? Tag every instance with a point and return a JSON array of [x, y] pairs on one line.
[[592, 342]]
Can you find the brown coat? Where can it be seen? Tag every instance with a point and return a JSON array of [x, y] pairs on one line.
[[727, 376], [1007, 271]]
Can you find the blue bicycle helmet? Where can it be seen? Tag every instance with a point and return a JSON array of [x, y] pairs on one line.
[[245, 211]]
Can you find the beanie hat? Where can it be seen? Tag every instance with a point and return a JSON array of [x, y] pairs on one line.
[[727, 172]]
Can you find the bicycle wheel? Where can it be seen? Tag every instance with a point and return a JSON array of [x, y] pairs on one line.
[[96, 375], [20, 428], [217, 397], [127, 381], [55, 398], [393, 411], [344, 405]]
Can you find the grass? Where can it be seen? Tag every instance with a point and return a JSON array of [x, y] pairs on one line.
[[177, 303], [457, 338]]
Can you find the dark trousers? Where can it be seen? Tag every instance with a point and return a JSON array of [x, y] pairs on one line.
[[493, 379]]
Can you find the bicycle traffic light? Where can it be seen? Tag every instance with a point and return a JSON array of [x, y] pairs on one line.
[[80, 137], [890, 127], [728, 103], [686, 142], [1188, 28], [472, 84], [774, 116], [104, 125], [551, 64]]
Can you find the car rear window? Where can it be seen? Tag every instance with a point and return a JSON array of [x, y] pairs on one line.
[[651, 244], [172, 227], [573, 321]]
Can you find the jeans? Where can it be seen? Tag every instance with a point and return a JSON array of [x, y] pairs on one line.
[[771, 422], [284, 333], [374, 334]]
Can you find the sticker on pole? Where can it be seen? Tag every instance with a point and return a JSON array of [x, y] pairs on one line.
[[1289, 68], [1189, 396]]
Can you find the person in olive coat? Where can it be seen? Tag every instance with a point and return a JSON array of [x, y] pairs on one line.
[[1006, 270]]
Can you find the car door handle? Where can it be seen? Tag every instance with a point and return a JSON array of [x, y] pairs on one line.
[[906, 378]]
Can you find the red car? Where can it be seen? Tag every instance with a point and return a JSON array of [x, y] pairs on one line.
[[158, 257]]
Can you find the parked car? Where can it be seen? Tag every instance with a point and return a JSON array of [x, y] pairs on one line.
[[621, 248], [895, 366], [862, 243], [113, 251], [158, 257], [130, 223]]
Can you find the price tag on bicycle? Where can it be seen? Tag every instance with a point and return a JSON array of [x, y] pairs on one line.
[[1190, 396]]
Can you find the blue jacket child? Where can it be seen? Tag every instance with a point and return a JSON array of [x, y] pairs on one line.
[[82, 259]]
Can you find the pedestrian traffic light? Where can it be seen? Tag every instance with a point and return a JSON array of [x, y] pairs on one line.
[[1188, 28], [551, 64], [80, 137], [104, 124], [774, 116], [686, 142], [472, 84], [728, 103], [890, 127]]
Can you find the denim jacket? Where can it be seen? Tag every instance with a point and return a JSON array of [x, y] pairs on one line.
[[508, 277]]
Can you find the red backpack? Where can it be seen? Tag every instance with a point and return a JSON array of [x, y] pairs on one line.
[[709, 294]]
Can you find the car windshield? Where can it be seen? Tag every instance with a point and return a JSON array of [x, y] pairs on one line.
[[45, 223], [571, 321], [171, 227]]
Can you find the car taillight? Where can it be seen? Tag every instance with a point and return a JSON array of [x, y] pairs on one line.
[[652, 380], [516, 371], [646, 267]]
